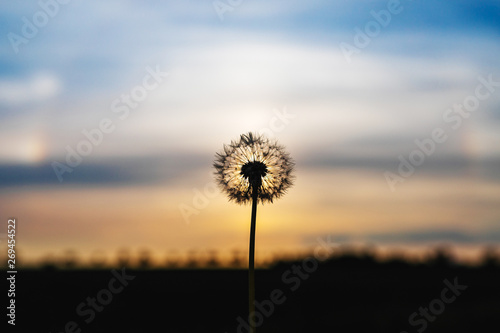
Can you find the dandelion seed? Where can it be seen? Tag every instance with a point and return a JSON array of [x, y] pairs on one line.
[[257, 170], [254, 162]]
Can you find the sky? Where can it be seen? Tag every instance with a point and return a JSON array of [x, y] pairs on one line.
[[111, 114]]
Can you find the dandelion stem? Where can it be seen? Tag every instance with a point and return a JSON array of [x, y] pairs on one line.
[[251, 265]]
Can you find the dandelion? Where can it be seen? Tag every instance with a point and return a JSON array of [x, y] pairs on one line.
[[253, 169]]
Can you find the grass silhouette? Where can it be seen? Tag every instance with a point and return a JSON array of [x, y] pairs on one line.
[[350, 292]]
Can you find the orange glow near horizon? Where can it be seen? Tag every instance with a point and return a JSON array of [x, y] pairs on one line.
[[106, 219]]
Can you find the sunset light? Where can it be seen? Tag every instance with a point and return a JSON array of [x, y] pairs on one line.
[[148, 138]]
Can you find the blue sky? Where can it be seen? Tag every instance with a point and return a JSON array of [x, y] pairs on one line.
[[267, 66]]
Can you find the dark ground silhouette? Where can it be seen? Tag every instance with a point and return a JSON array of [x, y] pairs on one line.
[[346, 294]]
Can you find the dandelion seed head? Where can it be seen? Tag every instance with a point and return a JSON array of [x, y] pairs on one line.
[[251, 162]]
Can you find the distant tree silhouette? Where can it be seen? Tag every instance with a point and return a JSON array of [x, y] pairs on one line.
[[442, 257], [213, 261], [98, 259], [70, 259], [172, 259], [123, 258], [490, 257], [238, 259], [48, 262], [192, 260], [144, 260]]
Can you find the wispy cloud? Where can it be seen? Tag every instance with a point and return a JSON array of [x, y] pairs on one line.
[[40, 87], [430, 236], [350, 120]]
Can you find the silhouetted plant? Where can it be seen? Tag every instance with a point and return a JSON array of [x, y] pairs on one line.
[[172, 259], [213, 261], [192, 260], [123, 258], [253, 169], [490, 257], [98, 259], [48, 262], [70, 259], [441, 257], [237, 259], [144, 260]]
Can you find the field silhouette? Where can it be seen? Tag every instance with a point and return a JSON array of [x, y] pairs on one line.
[[348, 293]]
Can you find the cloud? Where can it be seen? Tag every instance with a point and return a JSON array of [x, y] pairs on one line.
[[118, 171], [37, 88], [415, 237], [173, 166]]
